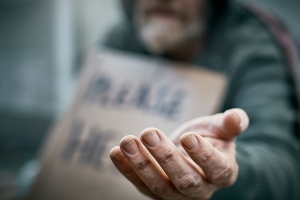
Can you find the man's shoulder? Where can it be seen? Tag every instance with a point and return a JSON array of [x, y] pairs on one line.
[[236, 36], [247, 26], [250, 36]]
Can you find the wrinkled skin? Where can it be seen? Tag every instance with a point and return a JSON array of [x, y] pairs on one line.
[[206, 163]]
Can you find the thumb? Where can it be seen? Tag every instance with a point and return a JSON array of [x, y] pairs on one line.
[[226, 125], [235, 121]]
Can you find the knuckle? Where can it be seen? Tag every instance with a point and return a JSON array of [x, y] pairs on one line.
[[189, 184], [142, 165], [231, 180], [206, 156], [223, 175], [167, 156]]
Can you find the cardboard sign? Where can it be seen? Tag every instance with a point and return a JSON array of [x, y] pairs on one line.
[[119, 94]]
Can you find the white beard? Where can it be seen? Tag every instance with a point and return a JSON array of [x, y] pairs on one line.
[[161, 37]]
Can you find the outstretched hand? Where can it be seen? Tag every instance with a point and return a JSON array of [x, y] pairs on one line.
[[160, 170]]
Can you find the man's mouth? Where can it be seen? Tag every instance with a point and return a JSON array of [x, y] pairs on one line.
[[164, 14]]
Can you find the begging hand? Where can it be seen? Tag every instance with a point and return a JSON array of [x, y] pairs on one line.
[[160, 170]]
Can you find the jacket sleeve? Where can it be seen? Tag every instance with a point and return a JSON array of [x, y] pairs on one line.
[[268, 151]]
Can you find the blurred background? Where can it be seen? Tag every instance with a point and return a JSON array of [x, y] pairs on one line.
[[43, 44]]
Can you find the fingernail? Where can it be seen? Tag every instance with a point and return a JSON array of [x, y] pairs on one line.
[[131, 147], [119, 157], [116, 154], [151, 139], [190, 142]]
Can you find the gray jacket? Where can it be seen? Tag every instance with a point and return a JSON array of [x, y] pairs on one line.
[[247, 51]]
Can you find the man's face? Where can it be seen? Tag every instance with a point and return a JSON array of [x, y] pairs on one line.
[[164, 25]]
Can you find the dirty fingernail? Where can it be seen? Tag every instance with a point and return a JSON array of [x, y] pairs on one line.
[[119, 157], [151, 139], [131, 147], [190, 142], [116, 154]]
